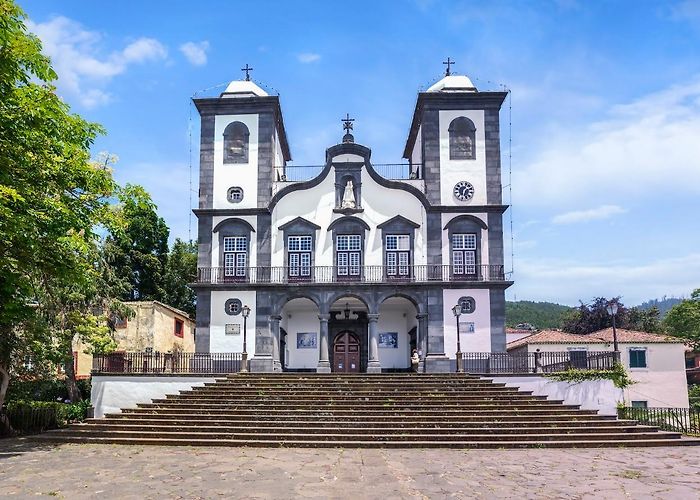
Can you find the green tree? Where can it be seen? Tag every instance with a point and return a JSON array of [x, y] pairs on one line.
[[53, 199], [180, 271], [643, 320], [683, 320], [138, 253], [591, 317]]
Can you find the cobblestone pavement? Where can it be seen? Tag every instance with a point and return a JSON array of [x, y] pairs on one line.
[[76, 471]]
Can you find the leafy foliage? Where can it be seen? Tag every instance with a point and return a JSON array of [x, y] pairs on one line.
[[591, 317], [180, 270], [44, 390], [617, 374], [542, 315], [54, 202], [663, 305], [138, 252], [683, 320]]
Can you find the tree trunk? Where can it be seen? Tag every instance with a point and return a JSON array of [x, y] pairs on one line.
[[72, 386], [4, 384]]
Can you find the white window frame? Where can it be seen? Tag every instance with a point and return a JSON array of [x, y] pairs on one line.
[[348, 254], [397, 248], [235, 256], [299, 249], [464, 248]]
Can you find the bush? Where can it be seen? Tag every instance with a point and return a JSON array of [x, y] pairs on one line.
[[44, 390]]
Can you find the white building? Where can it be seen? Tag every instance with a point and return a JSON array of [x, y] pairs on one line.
[[656, 363], [349, 266]]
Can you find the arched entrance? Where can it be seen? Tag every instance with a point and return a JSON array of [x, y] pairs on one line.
[[346, 353]]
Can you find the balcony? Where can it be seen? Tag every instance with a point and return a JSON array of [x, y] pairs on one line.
[[338, 274]]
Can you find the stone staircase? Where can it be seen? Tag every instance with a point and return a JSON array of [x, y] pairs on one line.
[[399, 411]]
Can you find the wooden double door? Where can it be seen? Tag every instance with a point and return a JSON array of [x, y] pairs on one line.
[[346, 353]]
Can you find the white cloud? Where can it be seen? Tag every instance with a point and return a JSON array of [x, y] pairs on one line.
[[601, 212], [195, 52], [75, 55], [643, 148], [567, 281], [308, 57]]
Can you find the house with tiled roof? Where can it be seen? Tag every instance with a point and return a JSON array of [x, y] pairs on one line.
[[655, 362]]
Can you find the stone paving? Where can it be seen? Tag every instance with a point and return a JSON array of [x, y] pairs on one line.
[[75, 471]]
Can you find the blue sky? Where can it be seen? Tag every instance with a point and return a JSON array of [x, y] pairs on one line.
[[605, 110]]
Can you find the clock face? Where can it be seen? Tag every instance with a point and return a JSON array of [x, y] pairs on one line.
[[463, 191]]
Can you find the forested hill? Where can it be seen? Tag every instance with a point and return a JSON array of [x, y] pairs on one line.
[[663, 304], [541, 315]]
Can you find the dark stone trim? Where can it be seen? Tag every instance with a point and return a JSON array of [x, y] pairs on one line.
[[264, 249], [229, 211], [398, 219], [466, 218], [449, 100], [202, 336], [299, 221], [266, 139], [469, 208], [434, 239], [497, 299], [232, 221], [397, 185], [298, 186], [206, 162], [495, 236], [247, 105], [395, 286], [346, 223]]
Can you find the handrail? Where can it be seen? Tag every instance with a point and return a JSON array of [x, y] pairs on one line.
[[350, 274]]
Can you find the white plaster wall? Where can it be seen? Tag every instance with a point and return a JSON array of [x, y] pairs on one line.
[[304, 321], [244, 175], [447, 246], [601, 395], [219, 341], [112, 394], [453, 171], [316, 205], [662, 384], [252, 244], [480, 340], [395, 320]]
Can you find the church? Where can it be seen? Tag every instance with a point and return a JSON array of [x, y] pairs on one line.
[[350, 266]]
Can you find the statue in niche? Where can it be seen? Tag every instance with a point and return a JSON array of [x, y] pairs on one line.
[[348, 197]]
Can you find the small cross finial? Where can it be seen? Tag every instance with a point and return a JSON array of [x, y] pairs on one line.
[[247, 70], [448, 63], [347, 123]]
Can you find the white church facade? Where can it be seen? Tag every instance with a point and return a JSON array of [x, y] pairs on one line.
[[351, 265]]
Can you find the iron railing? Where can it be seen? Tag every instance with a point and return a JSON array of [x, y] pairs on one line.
[[349, 274], [536, 362], [167, 363], [25, 419], [391, 171], [684, 420]]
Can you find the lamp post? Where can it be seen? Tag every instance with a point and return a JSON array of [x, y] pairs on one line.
[[457, 311], [244, 356], [612, 311]]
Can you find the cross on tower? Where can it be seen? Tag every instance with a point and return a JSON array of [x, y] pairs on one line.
[[347, 123], [448, 63], [247, 72]]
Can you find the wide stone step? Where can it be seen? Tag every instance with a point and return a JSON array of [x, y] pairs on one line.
[[392, 419], [521, 399], [343, 392], [379, 423], [376, 437], [352, 405], [363, 428], [320, 412]]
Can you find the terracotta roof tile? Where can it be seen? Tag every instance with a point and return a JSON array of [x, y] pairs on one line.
[[599, 337]]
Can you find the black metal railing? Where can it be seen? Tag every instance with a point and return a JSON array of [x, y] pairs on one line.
[[391, 171], [536, 362], [25, 419], [167, 363], [685, 420], [341, 274]]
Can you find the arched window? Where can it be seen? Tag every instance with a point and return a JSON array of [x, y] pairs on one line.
[[236, 138], [462, 139]]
